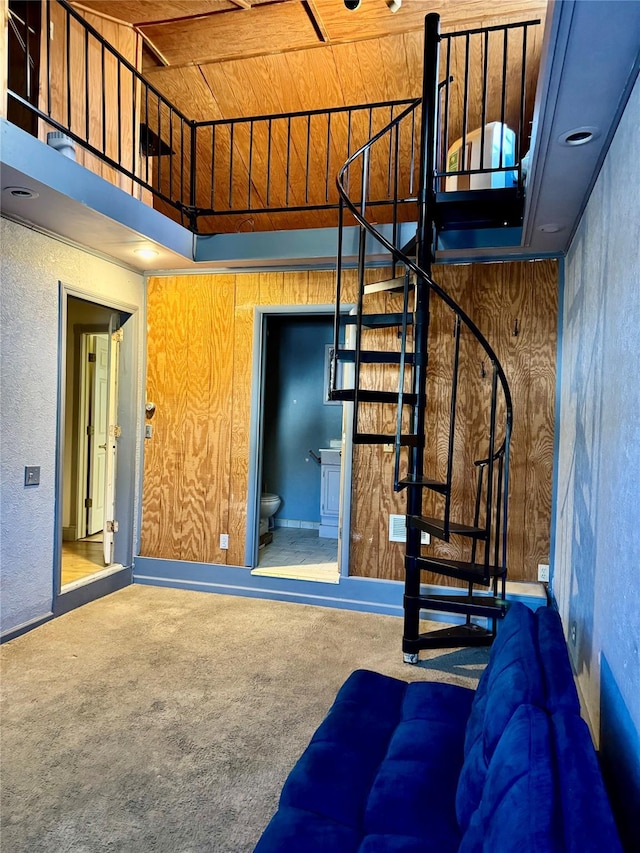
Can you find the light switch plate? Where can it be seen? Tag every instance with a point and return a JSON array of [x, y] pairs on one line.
[[32, 475]]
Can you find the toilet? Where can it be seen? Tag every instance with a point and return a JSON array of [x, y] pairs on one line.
[[269, 504]]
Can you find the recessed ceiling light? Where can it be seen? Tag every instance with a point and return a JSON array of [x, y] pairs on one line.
[[146, 254], [21, 192], [550, 228], [578, 136]]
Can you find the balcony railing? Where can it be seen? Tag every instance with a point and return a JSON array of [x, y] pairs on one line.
[[219, 175]]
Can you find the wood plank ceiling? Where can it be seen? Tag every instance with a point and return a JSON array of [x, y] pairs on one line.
[[221, 59], [322, 50]]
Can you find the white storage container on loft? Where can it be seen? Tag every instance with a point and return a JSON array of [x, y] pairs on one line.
[[496, 138]]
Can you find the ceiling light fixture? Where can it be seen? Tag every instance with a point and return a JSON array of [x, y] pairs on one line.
[[21, 192], [394, 5], [146, 254], [550, 228], [578, 136]]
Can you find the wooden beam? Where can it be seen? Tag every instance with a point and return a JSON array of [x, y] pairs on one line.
[[88, 10], [151, 46], [316, 19], [268, 28]]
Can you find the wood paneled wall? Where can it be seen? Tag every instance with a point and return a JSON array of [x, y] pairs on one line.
[[199, 362], [78, 94]]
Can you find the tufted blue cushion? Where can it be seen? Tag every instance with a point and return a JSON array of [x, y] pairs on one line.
[[517, 810], [511, 678], [297, 830], [561, 693], [382, 768], [588, 824]]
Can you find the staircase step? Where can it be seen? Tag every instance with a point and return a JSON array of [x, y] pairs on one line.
[[451, 638], [423, 482], [474, 572], [348, 394], [376, 321], [470, 605], [435, 526], [374, 356], [406, 440], [483, 208], [392, 284]]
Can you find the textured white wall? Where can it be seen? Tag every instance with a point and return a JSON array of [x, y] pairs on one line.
[[32, 266], [597, 556]]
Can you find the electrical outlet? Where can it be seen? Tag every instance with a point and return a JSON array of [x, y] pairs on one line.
[[387, 448], [543, 572], [573, 633], [224, 541]]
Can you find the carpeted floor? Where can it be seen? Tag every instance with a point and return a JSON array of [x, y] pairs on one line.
[[167, 720]]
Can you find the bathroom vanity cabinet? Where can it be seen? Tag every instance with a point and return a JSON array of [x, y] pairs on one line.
[[329, 493]]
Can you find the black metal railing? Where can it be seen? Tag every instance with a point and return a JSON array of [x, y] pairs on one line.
[[287, 162], [274, 164], [485, 106], [97, 98]]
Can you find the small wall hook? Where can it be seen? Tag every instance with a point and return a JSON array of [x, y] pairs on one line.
[[483, 372], [516, 330]]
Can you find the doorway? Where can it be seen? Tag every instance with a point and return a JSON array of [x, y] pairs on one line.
[[300, 455], [90, 433]]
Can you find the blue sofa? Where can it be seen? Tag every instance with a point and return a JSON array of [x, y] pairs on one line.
[[409, 768]]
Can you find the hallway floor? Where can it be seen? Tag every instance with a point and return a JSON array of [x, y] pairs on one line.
[[81, 559], [299, 554]]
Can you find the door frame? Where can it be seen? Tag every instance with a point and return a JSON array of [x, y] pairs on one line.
[[119, 574], [256, 435]]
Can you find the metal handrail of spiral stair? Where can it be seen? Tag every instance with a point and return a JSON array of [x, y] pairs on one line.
[[422, 276]]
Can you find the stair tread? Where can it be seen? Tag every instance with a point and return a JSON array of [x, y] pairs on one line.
[[373, 356], [379, 321], [425, 483], [368, 396], [466, 571], [461, 564], [436, 526], [465, 598], [456, 635], [389, 284], [478, 605], [383, 438], [481, 208]]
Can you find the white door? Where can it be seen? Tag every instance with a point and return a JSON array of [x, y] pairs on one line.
[[113, 432], [98, 427]]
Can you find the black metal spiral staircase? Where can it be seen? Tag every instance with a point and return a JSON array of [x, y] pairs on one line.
[[366, 356]]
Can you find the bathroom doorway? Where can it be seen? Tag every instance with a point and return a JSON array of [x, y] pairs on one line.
[[301, 466]]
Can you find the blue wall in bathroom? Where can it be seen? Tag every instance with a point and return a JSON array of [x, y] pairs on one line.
[[295, 418]]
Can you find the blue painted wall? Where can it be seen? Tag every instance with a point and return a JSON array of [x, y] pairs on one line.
[[295, 417], [596, 571]]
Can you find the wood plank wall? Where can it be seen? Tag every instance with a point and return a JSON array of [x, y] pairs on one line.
[[119, 132], [199, 363]]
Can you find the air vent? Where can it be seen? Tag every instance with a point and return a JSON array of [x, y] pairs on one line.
[[398, 530]]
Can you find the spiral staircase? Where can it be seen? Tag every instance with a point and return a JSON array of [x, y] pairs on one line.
[[382, 358]]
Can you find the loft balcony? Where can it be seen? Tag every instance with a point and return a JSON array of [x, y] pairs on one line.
[[202, 158]]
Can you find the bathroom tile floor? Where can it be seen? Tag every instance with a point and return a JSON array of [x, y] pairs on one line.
[[299, 554]]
